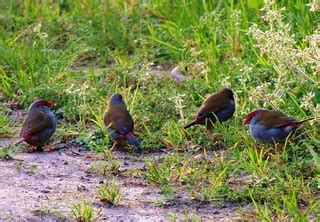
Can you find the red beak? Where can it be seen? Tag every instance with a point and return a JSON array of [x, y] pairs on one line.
[[246, 121], [50, 104]]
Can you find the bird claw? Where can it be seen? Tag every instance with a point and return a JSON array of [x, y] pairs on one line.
[[113, 146], [49, 149], [35, 149]]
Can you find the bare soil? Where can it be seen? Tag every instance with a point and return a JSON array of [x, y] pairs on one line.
[[45, 186], [50, 183]]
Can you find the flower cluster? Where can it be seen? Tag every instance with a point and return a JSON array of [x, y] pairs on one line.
[[295, 67]]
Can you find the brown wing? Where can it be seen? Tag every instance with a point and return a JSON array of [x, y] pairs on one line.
[[273, 119], [215, 103], [35, 122], [118, 118]]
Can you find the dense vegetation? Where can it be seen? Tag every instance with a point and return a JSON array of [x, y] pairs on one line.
[[78, 53]]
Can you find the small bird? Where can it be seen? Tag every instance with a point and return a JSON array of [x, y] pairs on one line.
[[218, 106], [39, 125], [269, 126], [119, 122]]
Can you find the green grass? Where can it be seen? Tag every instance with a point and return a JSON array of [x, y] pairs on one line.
[[109, 193], [6, 152], [79, 53], [83, 212], [111, 166], [4, 121], [46, 211]]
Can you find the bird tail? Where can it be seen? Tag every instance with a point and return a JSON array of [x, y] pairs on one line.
[[19, 141], [296, 123], [191, 124], [132, 140], [302, 121]]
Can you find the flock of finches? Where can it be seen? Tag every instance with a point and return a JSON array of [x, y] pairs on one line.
[[266, 126]]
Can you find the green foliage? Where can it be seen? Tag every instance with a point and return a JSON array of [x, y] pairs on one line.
[[4, 124], [109, 193], [83, 212], [6, 153], [47, 211], [111, 166], [159, 174]]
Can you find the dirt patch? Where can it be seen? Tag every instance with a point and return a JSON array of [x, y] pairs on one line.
[[167, 71], [44, 186]]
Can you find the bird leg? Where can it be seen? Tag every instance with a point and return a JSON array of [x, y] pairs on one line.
[[209, 128], [39, 149], [35, 149], [276, 152], [209, 125], [49, 148], [113, 146]]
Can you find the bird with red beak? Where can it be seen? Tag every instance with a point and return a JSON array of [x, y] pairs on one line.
[[269, 126], [219, 106]]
